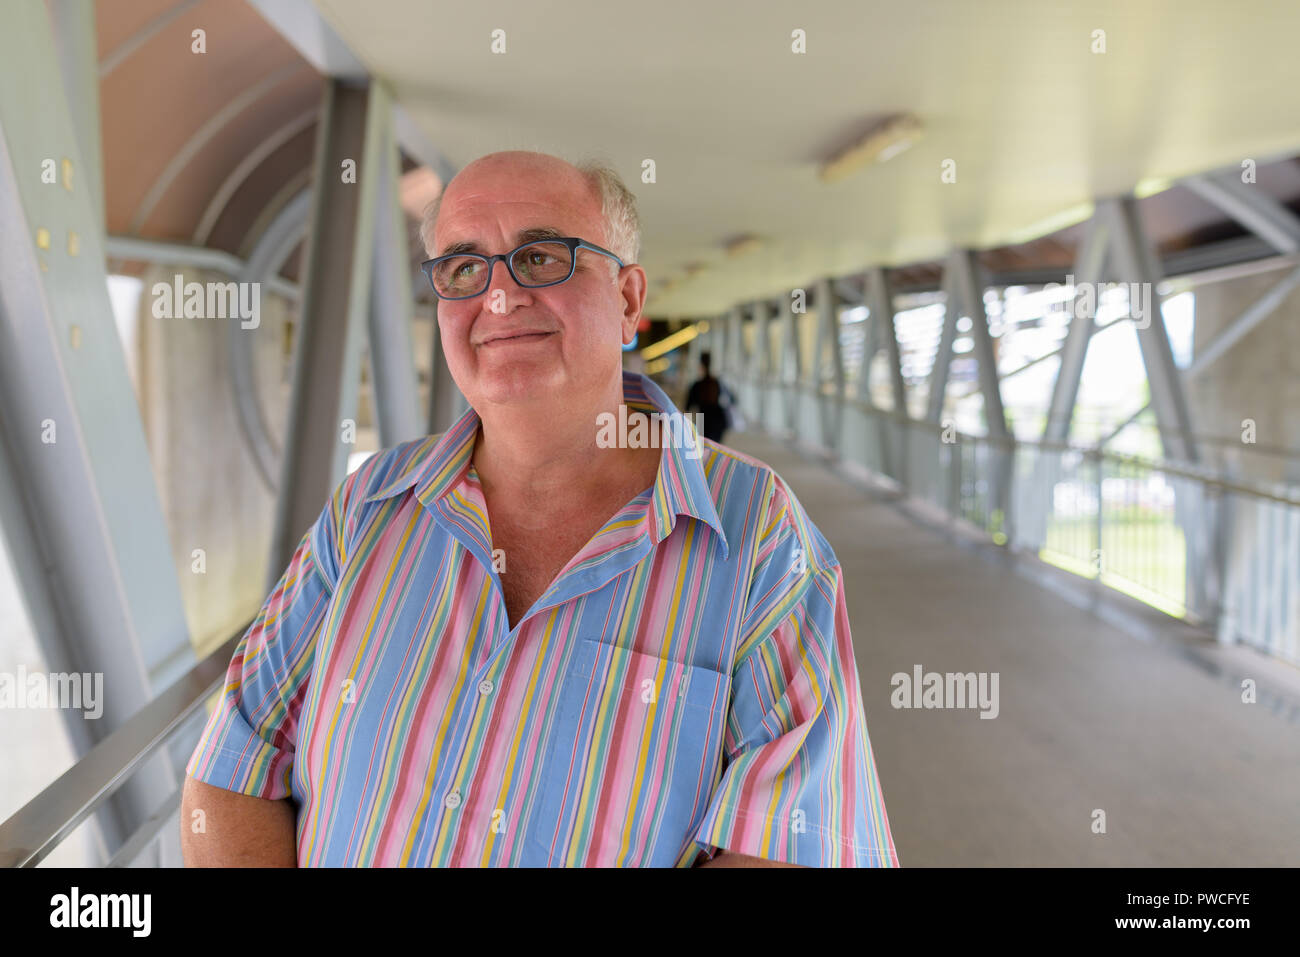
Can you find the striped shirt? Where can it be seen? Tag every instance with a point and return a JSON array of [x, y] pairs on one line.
[[686, 684]]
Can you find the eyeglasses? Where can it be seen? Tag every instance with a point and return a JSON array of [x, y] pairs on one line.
[[543, 262]]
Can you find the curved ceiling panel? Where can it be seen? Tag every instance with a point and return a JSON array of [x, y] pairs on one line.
[[1037, 121], [175, 122]]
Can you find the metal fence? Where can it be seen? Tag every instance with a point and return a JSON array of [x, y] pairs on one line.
[[1220, 554]]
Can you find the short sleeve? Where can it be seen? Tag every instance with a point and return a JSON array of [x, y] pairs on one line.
[[248, 743], [800, 782]]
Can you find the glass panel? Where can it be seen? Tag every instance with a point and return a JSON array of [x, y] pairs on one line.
[[34, 744]]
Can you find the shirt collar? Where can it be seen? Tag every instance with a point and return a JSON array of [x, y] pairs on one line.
[[680, 488]]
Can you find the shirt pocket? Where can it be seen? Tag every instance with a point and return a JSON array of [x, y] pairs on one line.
[[631, 761]]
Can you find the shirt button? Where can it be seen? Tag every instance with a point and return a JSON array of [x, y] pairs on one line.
[[452, 800], [485, 687]]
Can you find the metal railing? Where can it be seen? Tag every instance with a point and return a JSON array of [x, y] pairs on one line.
[[1215, 552], [1222, 554], [38, 827]]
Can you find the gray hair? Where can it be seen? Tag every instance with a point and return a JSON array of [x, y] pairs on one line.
[[617, 206]]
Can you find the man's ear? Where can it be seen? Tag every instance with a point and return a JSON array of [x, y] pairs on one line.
[[632, 287]]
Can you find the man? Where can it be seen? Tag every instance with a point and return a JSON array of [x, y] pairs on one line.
[[513, 645], [710, 396]]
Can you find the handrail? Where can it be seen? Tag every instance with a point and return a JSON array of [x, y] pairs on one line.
[[1209, 550], [1010, 442], [42, 823], [145, 833]]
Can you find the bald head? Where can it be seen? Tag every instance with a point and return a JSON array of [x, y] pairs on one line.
[[592, 192]]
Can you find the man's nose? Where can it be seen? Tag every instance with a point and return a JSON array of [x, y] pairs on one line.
[[503, 294]]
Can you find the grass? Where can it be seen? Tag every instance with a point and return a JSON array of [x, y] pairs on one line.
[[1144, 555]]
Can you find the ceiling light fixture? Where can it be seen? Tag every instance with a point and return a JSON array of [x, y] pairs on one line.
[[882, 142], [740, 245], [673, 341]]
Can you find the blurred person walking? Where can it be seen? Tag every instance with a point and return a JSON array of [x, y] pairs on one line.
[[712, 398]]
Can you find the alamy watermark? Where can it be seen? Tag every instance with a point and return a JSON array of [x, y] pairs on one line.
[[1088, 294], [58, 689], [932, 689], [128, 911], [658, 430], [208, 300]]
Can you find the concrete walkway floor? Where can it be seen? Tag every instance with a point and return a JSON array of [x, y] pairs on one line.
[[1143, 721]]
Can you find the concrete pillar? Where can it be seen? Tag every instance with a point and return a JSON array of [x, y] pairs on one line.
[[1257, 379]]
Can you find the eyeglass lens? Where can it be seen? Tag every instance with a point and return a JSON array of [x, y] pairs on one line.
[[537, 264]]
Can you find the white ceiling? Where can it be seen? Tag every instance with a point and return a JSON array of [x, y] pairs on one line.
[[737, 124]]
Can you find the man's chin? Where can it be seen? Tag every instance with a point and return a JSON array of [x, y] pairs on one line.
[[523, 382]]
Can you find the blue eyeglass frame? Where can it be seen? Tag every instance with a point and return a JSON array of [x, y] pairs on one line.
[[572, 242]]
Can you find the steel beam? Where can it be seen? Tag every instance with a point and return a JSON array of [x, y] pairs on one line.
[[335, 304], [871, 339], [56, 298], [75, 40], [1106, 439], [715, 341], [943, 354], [82, 501], [880, 326], [825, 302], [968, 286], [1089, 263], [127, 48], [1135, 262], [970, 291], [1243, 251], [737, 350], [418, 146], [759, 356], [445, 400], [882, 314], [313, 37], [828, 335], [792, 354], [124, 248], [736, 335], [316, 40], [762, 369], [392, 364], [1254, 314], [849, 289], [748, 343], [1248, 205]]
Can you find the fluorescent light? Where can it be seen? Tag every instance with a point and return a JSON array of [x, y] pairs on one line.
[[741, 245], [884, 141], [668, 343]]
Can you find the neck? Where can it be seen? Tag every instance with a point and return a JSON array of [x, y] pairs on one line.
[[546, 453]]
